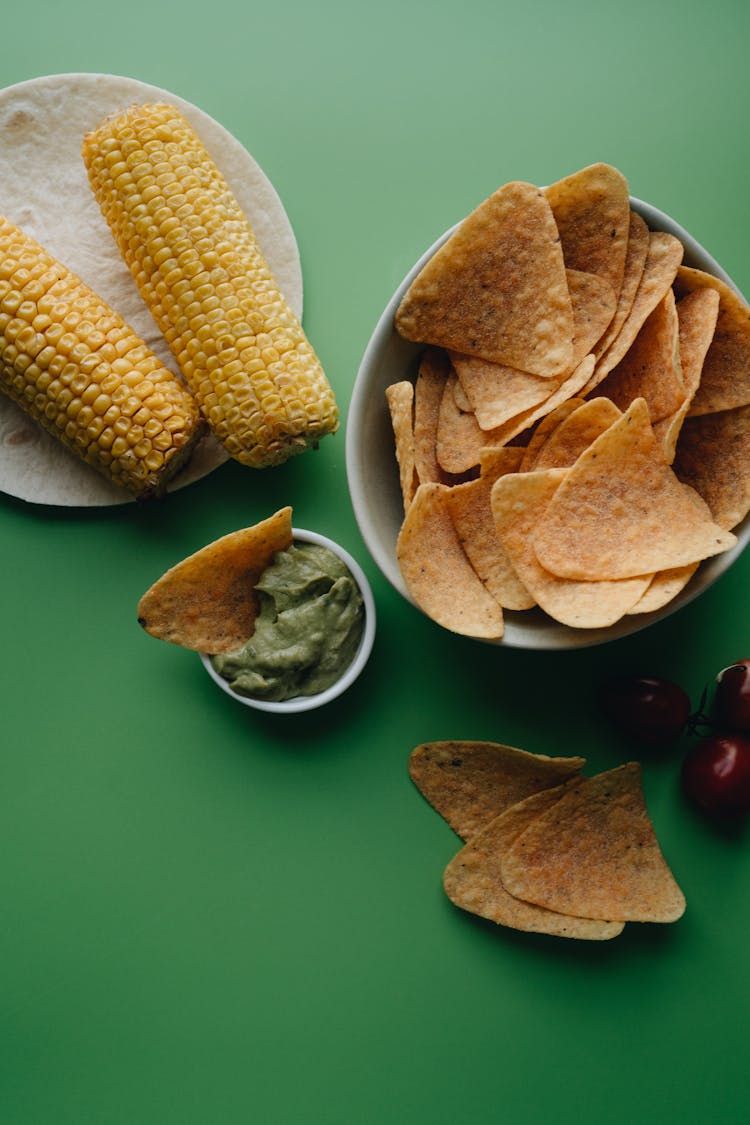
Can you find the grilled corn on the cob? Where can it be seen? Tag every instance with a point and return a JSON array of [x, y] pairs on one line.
[[199, 269], [73, 364]]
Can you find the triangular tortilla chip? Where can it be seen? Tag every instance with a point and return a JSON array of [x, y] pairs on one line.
[[592, 212], [472, 878], [663, 588], [459, 437], [432, 376], [470, 783], [498, 393], [696, 315], [400, 398], [651, 369], [713, 456], [547, 425], [208, 602], [663, 259], [725, 379], [438, 575], [566, 442], [621, 512], [635, 260], [594, 302], [519, 502], [497, 288], [594, 854], [565, 390], [469, 506]]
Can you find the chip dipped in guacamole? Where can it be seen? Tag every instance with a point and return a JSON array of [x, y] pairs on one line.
[[277, 617], [308, 629]]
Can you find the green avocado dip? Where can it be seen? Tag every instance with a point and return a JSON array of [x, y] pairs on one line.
[[307, 632]]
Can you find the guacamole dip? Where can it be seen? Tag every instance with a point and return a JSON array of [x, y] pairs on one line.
[[308, 630]]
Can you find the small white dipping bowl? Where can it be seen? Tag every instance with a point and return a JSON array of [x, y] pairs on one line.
[[347, 678], [373, 473]]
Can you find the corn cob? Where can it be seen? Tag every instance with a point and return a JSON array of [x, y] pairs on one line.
[[72, 363], [199, 269]]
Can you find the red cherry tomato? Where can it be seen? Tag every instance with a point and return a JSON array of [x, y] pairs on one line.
[[716, 774], [731, 706], [653, 710]]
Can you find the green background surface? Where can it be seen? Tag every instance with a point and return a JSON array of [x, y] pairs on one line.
[[209, 915]]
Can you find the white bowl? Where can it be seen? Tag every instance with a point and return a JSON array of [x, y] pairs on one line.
[[373, 474], [309, 702]]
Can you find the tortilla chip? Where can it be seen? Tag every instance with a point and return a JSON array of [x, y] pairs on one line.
[[208, 602], [663, 259], [565, 390], [438, 575], [470, 510], [621, 511], [664, 588], [725, 379], [651, 369], [592, 212], [635, 260], [713, 457], [497, 393], [472, 879], [594, 302], [696, 315], [575, 433], [470, 783], [594, 854], [497, 288], [400, 397], [459, 437], [432, 376], [459, 392], [546, 426], [519, 502]]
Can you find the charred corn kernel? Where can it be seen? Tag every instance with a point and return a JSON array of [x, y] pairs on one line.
[[52, 365], [198, 267]]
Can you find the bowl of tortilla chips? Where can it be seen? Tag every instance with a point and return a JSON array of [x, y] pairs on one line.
[[548, 441]]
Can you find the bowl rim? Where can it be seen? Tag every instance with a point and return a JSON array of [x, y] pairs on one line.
[[557, 636], [301, 703]]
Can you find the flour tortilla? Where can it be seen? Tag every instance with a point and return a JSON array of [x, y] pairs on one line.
[[45, 191]]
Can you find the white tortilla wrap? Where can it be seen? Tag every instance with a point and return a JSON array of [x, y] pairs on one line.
[[44, 190]]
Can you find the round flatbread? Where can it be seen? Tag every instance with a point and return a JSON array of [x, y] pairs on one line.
[[44, 190]]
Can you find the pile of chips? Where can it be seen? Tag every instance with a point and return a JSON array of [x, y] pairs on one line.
[[547, 850], [578, 433]]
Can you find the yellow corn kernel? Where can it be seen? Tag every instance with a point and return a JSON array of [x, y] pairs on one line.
[[198, 267], [52, 365]]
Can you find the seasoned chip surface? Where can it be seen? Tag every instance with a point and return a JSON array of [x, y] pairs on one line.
[[437, 572], [725, 379], [497, 288], [471, 511], [208, 602], [473, 882], [592, 211], [621, 512], [519, 502], [713, 456], [594, 854], [470, 783], [660, 269], [635, 260], [652, 368]]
